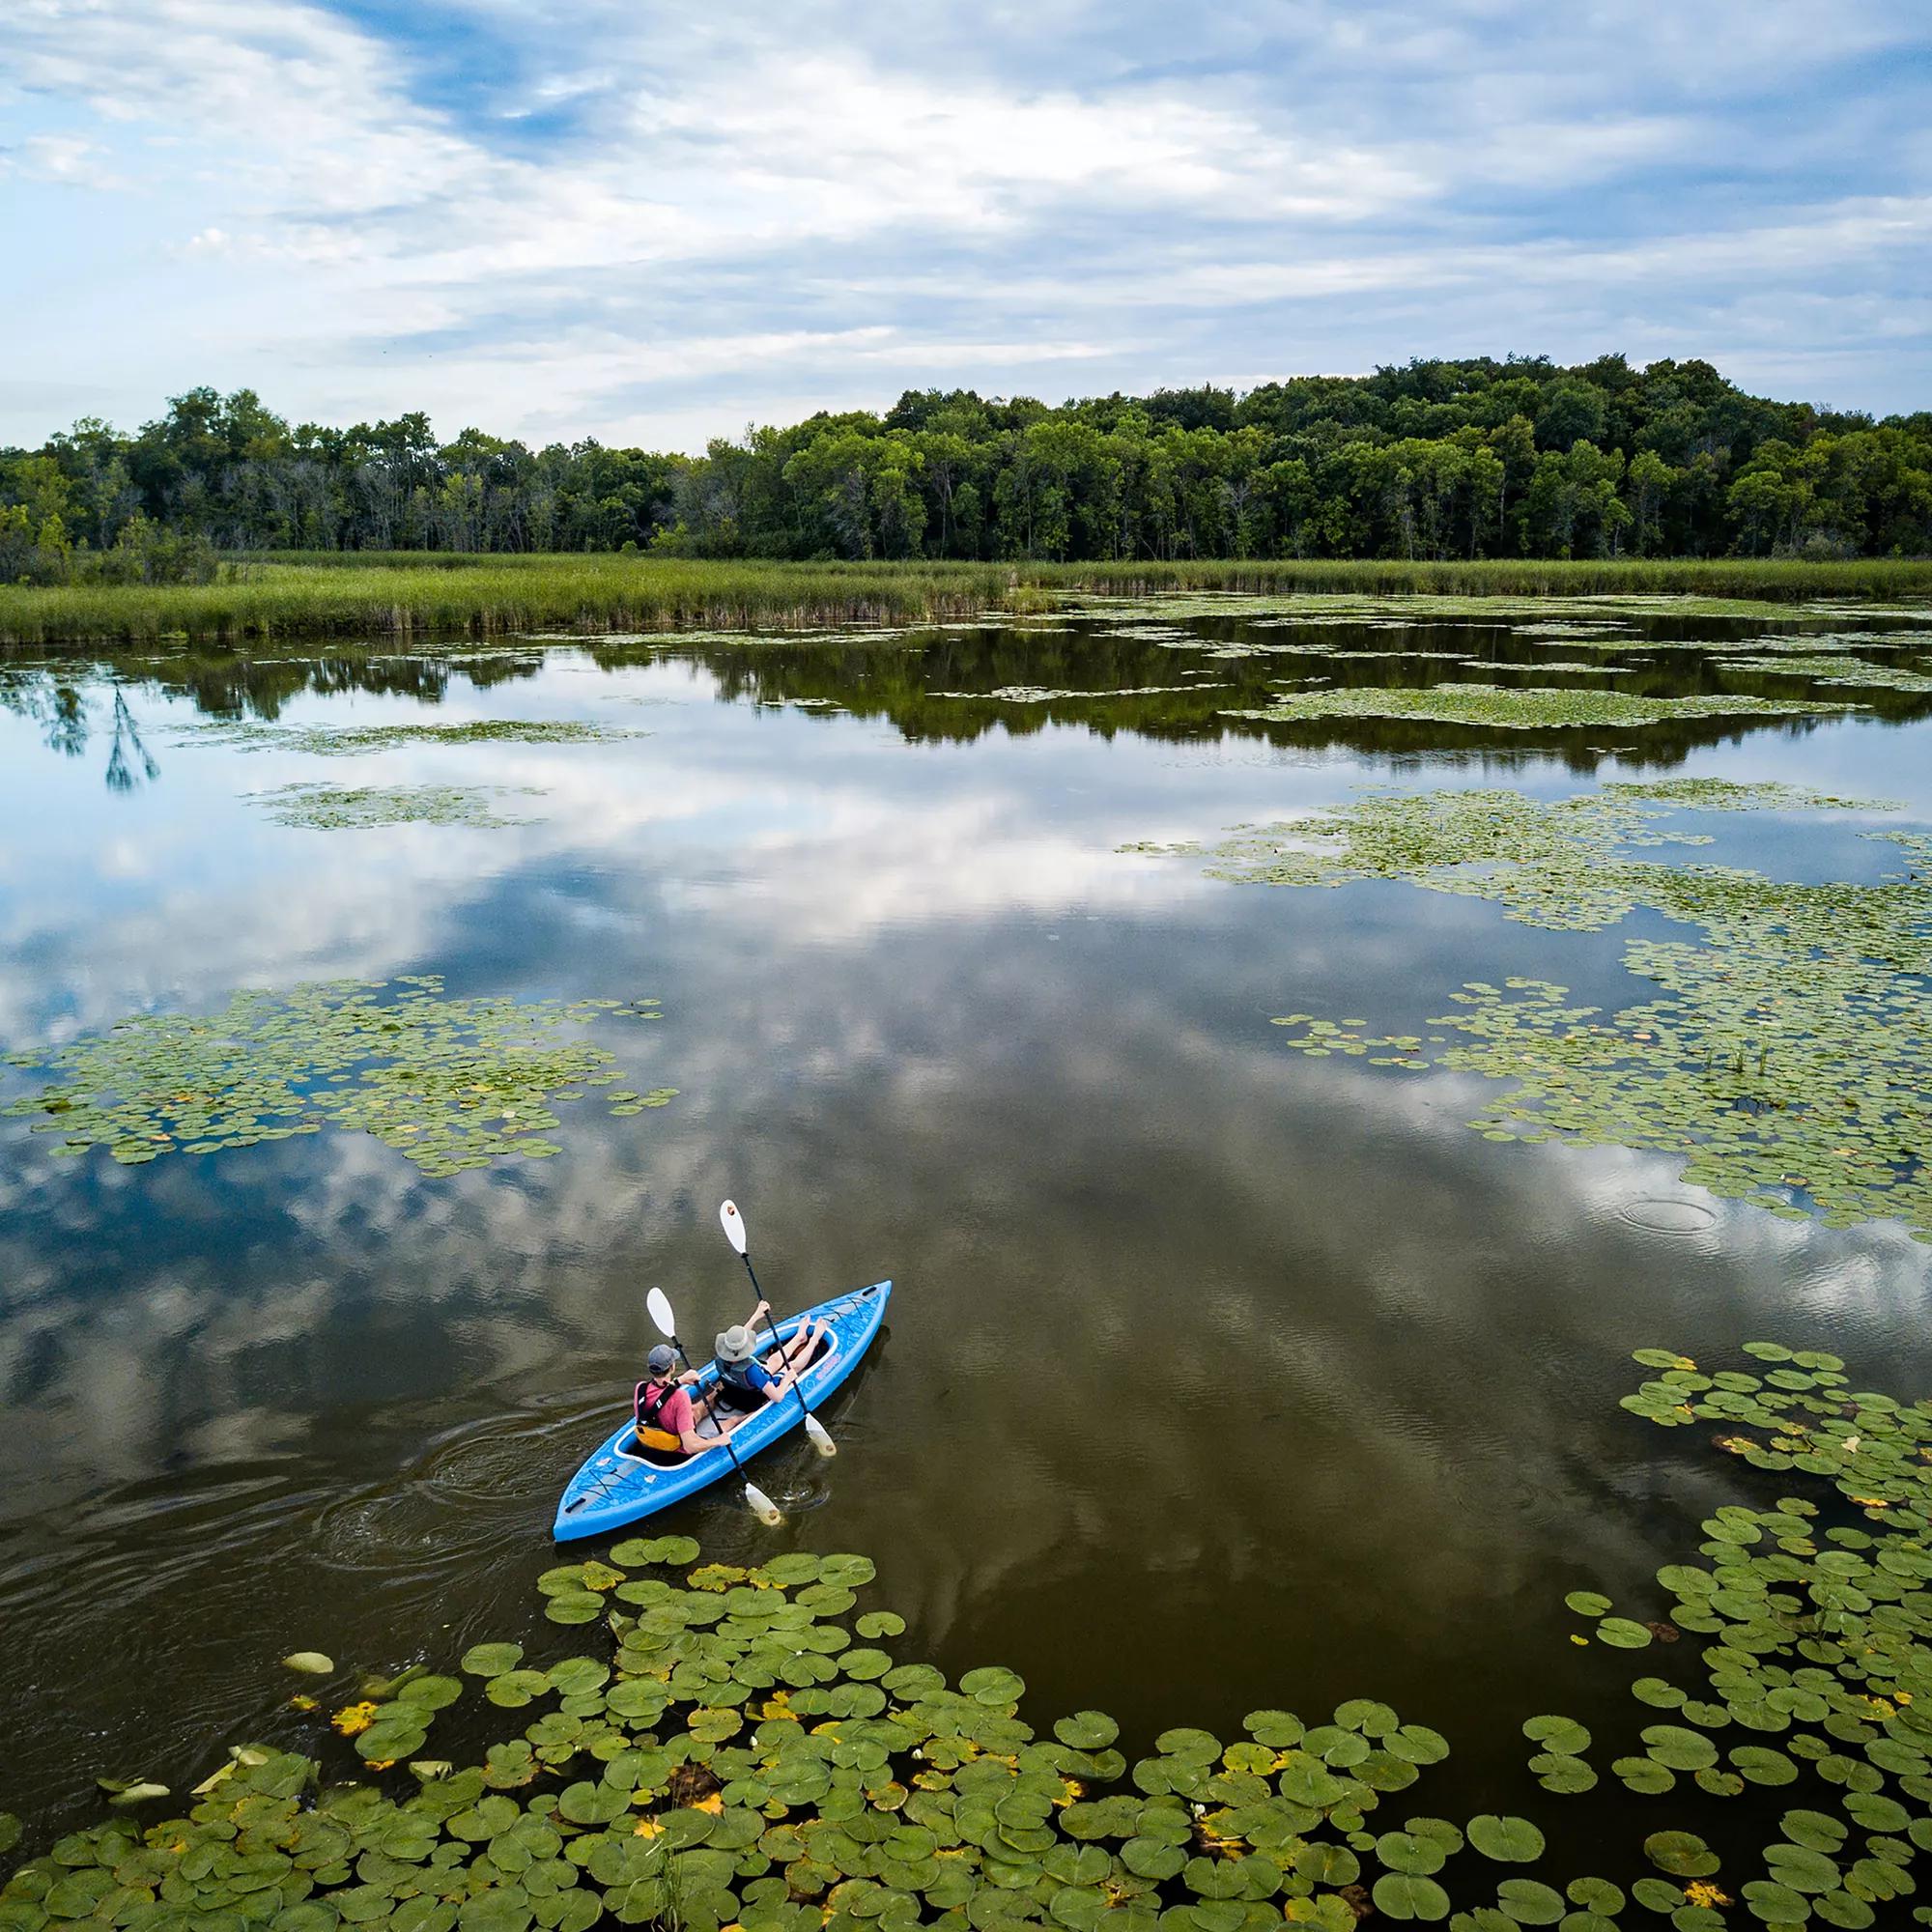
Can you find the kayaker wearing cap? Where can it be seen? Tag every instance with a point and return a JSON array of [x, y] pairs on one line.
[[747, 1381], [665, 1408]]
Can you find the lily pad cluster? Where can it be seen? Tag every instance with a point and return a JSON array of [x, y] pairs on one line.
[[351, 741], [1814, 1674], [448, 1083], [1830, 669], [325, 808], [742, 1750], [739, 1748], [1786, 1059], [1526, 707]]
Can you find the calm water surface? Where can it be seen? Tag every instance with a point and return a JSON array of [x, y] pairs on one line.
[[1216, 1376]]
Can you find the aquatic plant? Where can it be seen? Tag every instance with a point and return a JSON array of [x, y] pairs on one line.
[[1525, 707], [355, 741], [1786, 1061], [370, 594], [1834, 668], [737, 1749], [323, 807], [449, 1084]]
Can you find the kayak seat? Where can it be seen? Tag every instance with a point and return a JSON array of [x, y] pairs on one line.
[[656, 1446]]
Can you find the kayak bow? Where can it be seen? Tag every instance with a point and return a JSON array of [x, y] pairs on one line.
[[618, 1486]]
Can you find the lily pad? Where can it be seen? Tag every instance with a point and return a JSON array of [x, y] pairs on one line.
[[492, 1659], [1508, 1839]]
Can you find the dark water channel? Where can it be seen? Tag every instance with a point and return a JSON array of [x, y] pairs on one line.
[[1216, 1376]]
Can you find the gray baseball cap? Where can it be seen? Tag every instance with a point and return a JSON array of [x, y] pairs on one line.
[[663, 1359]]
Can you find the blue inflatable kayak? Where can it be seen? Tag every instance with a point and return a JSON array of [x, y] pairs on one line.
[[621, 1485]]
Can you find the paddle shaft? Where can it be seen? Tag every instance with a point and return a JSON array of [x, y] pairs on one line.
[[723, 1433], [798, 1380]]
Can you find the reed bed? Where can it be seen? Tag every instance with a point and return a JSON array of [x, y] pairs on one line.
[[438, 594]]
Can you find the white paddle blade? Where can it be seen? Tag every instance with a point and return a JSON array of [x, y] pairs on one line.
[[821, 1437], [733, 1224], [762, 1506], [659, 1305]]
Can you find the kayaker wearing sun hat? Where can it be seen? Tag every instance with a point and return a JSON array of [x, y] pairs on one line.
[[666, 1415], [748, 1382]]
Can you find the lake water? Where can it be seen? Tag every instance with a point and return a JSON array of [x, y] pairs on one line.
[[1215, 1376]]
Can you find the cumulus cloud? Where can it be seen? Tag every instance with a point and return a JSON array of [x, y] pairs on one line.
[[633, 221]]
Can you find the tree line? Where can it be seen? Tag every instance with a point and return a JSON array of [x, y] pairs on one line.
[[1431, 459]]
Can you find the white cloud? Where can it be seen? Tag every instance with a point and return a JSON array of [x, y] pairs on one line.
[[749, 211]]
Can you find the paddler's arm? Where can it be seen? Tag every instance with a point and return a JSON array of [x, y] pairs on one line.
[[696, 1445]]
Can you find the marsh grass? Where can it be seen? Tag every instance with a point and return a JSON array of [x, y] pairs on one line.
[[360, 594]]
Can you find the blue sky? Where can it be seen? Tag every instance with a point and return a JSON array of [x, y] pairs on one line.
[[657, 223]]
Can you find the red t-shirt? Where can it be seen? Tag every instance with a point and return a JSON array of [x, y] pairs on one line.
[[673, 1415]]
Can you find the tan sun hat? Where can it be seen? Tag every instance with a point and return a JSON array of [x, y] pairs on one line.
[[735, 1345]]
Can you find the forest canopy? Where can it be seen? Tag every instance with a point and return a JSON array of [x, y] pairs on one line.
[[1432, 460]]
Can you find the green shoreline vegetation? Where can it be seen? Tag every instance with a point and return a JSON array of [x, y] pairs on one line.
[[731, 1752], [465, 597], [1471, 459]]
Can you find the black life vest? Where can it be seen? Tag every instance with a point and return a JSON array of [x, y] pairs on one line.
[[648, 1400]]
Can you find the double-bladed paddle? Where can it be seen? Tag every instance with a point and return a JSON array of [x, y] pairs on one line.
[[733, 1224]]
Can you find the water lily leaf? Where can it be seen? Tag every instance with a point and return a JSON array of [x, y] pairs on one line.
[[1405, 1895], [1214, 1877], [1087, 1730], [1681, 1749], [431, 1692], [1528, 1901], [673, 1551], [492, 1659], [1595, 1894], [1150, 1857], [1587, 1602], [1557, 1772], [847, 1571], [514, 1688], [1510, 1841], [1277, 1729], [1416, 1744], [1623, 1633], [1801, 1868], [310, 1663], [1655, 1691], [1817, 1829], [1367, 1715], [1776, 1904], [1565, 1737], [577, 1676], [1681, 1854], [1190, 1747], [1405, 1851], [1329, 1864], [1644, 1774], [991, 1684], [395, 1736]]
